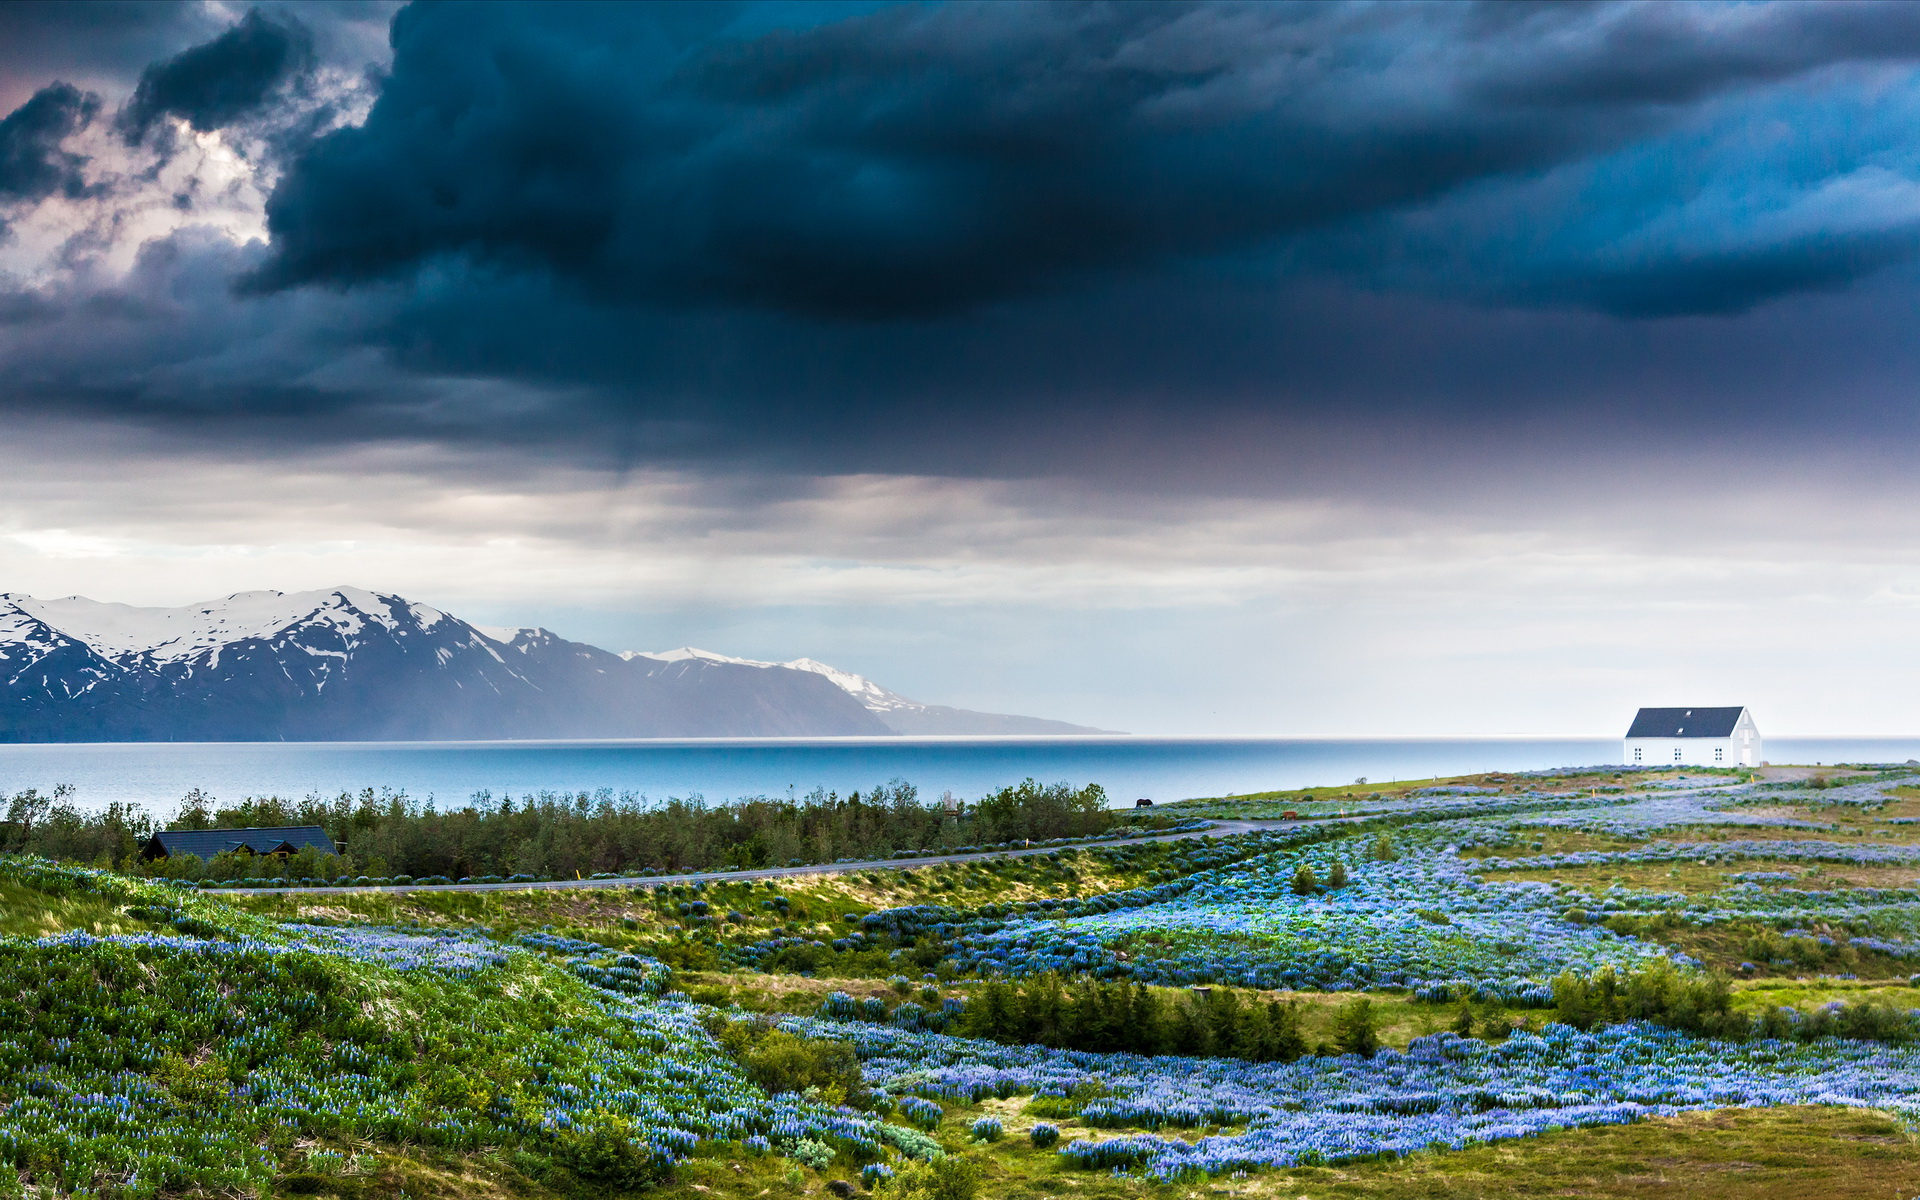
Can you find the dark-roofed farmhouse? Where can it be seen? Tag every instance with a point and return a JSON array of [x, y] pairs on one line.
[[1694, 737], [205, 843]]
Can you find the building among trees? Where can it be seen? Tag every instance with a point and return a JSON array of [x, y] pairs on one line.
[[205, 843]]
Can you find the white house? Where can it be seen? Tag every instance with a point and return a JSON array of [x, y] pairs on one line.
[[1694, 737]]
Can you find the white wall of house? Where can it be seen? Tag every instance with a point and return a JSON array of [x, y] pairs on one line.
[[1742, 749]]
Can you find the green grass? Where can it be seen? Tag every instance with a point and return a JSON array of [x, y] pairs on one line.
[[466, 1045], [638, 919], [1401, 1018], [1730, 1154], [29, 912], [1756, 994], [1322, 801], [1695, 878], [356, 1059]]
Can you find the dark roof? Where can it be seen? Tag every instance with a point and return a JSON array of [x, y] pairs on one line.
[[205, 843], [1684, 722]]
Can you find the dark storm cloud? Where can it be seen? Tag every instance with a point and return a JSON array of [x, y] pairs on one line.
[[97, 43], [224, 81], [917, 160], [1140, 240], [1678, 53], [33, 164], [104, 46]]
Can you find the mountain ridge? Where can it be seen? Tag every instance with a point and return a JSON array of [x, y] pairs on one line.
[[347, 663], [903, 716]]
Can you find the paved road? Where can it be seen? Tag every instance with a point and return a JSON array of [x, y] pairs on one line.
[[1214, 829]]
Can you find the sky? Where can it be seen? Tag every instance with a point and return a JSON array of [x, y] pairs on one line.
[[1194, 369]]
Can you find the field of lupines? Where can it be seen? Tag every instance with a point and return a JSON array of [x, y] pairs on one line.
[[198, 1056], [219, 1051], [1443, 1091]]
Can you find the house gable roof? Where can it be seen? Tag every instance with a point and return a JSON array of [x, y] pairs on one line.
[[1685, 722], [205, 843]]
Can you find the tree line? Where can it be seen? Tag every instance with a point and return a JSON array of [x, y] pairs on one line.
[[1107, 1017], [558, 834]]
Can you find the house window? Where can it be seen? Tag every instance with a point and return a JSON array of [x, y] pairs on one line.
[[1636, 754], [1718, 753], [1676, 754]]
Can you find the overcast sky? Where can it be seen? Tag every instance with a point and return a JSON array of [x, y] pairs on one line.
[[1194, 369]]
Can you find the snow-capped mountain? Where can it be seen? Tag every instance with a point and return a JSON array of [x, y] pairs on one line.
[[350, 664], [900, 714]]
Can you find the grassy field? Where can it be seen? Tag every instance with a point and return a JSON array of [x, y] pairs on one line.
[[1732, 1154], [1340, 798], [546, 1085], [27, 912], [1788, 1153], [648, 918]]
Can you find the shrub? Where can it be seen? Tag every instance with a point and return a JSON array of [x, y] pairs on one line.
[[1699, 1003], [948, 1178], [1354, 1028], [1463, 1020], [811, 1153], [781, 1062], [610, 1152], [1865, 1020], [1305, 883], [1337, 874]]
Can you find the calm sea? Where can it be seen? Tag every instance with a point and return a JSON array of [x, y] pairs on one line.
[[158, 774]]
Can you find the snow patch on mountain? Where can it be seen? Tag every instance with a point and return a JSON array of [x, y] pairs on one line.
[[869, 693], [686, 653], [898, 713], [504, 634], [191, 630], [865, 690]]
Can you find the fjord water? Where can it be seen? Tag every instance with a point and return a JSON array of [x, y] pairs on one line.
[[158, 774]]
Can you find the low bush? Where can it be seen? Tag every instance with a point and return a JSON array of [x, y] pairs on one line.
[[1701, 1003], [783, 1062], [948, 1178], [1089, 1015]]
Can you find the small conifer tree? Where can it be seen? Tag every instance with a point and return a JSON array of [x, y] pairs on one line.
[[1354, 1027], [1463, 1021], [1305, 882]]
